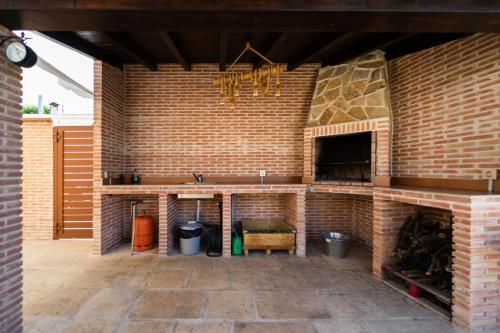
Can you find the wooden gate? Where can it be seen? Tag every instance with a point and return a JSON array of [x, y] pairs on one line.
[[73, 154]]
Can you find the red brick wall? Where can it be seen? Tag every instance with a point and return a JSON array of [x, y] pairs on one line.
[[209, 211], [362, 210], [38, 178], [175, 124], [109, 141], [10, 195], [109, 118], [259, 207], [328, 212], [446, 109], [344, 213]]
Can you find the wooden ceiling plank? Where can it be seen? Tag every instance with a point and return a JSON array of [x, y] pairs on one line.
[[120, 42], [223, 45], [383, 47], [181, 57], [308, 55], [76, 42], [273, 46]]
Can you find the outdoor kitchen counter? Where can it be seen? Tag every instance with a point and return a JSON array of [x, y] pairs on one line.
[[201, 188]]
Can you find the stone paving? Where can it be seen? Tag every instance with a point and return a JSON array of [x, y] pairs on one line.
[[66, 289]]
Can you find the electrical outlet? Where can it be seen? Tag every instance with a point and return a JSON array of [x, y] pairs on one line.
[[262, 173], [489, 173]]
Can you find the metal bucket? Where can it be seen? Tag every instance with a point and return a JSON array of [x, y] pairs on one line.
[[336, 244]]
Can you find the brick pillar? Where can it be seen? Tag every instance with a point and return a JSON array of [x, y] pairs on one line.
[[163, 199], [296, 215], [307, 177], [96, 223], [109, 213], [226, 224], [388, 216], [476, 252], [10, 195], [167, 219]]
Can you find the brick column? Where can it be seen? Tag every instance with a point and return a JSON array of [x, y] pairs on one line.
[[167, 219], [10, 195], [113, 209], [226, 224], [476, 252], [388, 216], [163, 224], [296, 215]]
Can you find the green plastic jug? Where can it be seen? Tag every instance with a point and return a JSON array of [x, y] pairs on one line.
[[237, 245]]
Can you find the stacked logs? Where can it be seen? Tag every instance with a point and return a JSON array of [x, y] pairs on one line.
[[423, 251]]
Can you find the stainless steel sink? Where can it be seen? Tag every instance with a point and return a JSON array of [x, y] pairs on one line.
[[195, 196]]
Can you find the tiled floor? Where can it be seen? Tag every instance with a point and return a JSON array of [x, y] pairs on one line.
[[66, 289]]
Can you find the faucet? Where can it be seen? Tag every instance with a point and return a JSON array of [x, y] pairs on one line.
[[199, 178]]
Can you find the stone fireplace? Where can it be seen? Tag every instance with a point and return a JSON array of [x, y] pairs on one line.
[[350, 113]]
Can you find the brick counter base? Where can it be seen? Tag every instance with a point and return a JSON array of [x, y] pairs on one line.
[[476, 221], [108, 212]]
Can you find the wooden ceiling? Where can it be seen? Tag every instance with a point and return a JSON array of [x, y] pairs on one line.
[[215, 31]]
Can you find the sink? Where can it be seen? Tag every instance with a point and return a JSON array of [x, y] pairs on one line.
[[195, 196], [193, 183]]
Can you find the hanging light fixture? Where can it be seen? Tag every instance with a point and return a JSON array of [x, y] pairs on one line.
[[229, 82]]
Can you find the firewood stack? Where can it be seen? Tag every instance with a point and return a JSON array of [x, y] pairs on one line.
[[423, 251]]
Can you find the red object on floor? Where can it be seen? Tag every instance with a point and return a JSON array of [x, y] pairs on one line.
[[413, 290], [143, 233]]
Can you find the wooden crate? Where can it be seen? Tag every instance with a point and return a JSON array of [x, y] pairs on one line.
[[268, 236]]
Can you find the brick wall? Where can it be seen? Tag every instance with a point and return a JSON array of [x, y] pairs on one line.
[[109, 140], [175, 124], [328, 212], [344, 213], [209, 211], [38, 178], [362, 210], [446, 109], [259, 207], [10, 195]]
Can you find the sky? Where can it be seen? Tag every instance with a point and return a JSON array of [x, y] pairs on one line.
[[39, 82]]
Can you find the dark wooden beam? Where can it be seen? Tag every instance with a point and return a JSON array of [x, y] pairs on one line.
[[122, 42], [420, 42], [316, 51], [260, 5], [326, 18], [282, 37], [180, 56], [272, 46], [74, 41], [223, 44], [382, 46]]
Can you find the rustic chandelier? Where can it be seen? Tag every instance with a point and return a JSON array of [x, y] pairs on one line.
[[229, 82]]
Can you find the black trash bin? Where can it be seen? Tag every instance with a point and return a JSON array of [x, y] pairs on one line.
[[336, 244], [190, 236]]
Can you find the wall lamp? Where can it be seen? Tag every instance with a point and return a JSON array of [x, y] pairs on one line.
[[18, 52]]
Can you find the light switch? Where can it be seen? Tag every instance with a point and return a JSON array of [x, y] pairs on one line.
[[262, 173]]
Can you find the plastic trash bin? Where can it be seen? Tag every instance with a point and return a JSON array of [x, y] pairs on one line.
[[336, 244], [190, 236]]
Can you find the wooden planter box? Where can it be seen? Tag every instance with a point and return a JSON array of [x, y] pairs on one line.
[[268, 236]]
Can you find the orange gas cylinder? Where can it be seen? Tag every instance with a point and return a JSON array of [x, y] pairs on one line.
[[143, 233]]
